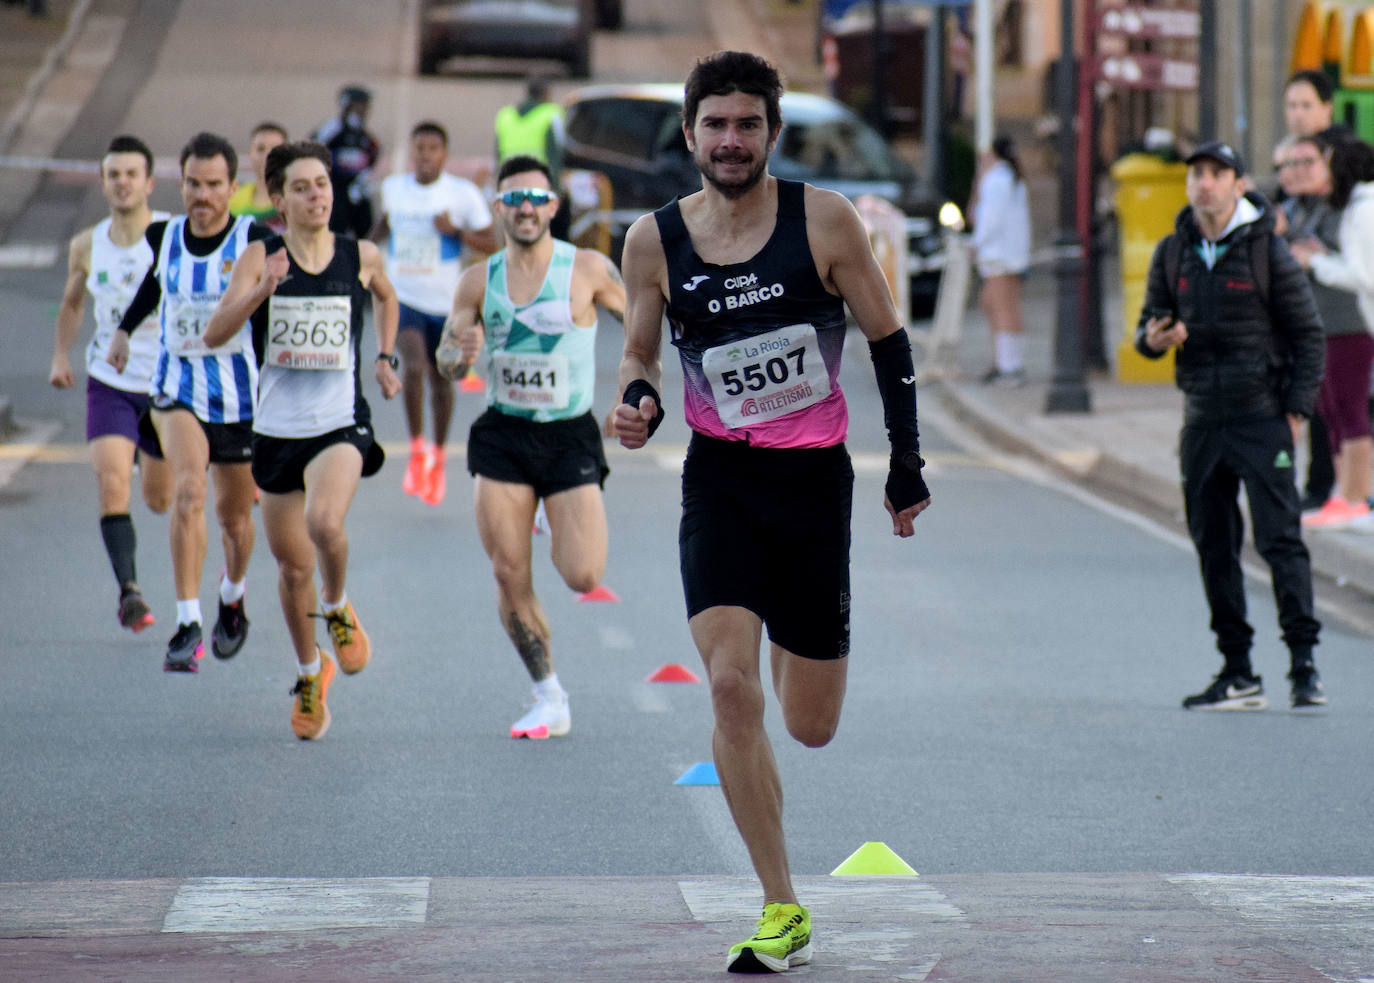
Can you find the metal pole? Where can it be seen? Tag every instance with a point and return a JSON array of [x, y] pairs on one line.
[[1207, 70], [1069, 390], [933, 103], [983, 72]]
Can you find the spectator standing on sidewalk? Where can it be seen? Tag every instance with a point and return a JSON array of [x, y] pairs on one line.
[[1347, 265], [1225, 291], [1001, 244]]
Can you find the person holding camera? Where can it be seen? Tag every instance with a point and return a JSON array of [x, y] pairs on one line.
[[1225, 292]]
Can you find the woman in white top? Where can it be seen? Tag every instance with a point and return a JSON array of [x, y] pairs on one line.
[[1001, 244]]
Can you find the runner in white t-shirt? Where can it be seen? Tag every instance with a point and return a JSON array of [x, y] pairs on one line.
[[431, 219]]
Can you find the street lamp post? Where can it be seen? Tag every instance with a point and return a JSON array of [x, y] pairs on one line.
[[1069, 390]]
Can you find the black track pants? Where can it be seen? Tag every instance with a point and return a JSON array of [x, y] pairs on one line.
[[1215, 460]]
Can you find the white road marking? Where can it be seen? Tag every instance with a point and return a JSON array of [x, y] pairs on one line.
[[860, 923], [284, 904], [1326, 919]]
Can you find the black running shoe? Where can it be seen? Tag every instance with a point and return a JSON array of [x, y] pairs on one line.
[[1229, 692], [1307, 687], [134, 613], [184, 650], [230, 631]]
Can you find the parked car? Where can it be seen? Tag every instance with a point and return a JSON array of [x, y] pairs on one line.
[[633, 135], [555, 29]]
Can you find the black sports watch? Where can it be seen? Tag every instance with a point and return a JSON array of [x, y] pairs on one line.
[[912, 461], [390, 359]]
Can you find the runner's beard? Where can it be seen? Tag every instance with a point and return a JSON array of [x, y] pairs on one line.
[[734, 189]]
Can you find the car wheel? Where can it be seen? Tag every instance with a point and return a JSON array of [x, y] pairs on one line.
[[610, 15]]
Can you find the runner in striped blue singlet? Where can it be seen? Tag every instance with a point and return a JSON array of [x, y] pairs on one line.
[[202, 400]]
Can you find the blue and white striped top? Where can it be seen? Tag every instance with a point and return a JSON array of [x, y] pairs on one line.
[[217, 384]]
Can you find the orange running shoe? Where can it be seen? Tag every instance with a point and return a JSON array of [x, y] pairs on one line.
[[352, 647], [416, 472], [309, 714], [1337, 513], [436, 484]]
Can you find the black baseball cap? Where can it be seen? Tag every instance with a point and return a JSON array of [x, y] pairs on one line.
[[1220, 152]]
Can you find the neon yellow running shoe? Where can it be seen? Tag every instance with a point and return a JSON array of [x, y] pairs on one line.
[[783, 940]]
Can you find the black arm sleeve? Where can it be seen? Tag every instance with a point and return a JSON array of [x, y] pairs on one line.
[[896, 376], [897, 386], [149, 291], [143, 304]]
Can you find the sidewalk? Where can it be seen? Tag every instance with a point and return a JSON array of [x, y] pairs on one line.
[[1128, 443]]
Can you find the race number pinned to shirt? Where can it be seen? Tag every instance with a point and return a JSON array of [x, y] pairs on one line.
[[757, 379], [416, 254], [529, 381], [186, 319], [308, 333]]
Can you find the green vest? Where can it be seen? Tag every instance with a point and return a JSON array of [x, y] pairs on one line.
[[526, 133]]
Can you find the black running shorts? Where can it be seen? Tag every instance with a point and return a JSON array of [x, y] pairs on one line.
[[549, 457], [230, 443], [279, 463], [768, 529]]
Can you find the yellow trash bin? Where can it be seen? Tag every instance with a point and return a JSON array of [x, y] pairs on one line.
[[1149, 194]]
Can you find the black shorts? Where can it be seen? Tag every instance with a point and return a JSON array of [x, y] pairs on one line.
[[279, 463], [230, 443], [430, 326], [549, 457], [768, 529]]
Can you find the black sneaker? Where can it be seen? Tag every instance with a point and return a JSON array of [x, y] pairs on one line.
[[1307, 687], [184, 650], [134, 613], [1229, 692], [230, 631]]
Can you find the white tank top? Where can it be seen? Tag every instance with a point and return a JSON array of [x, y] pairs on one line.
[[115, 274]]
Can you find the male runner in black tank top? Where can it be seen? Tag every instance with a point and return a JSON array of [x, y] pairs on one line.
[[752, 273], [312, 438]]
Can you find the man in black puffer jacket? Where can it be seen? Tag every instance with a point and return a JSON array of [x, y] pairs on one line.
[[1226, 293]]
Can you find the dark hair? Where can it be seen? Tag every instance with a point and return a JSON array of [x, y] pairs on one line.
[[208, 145], [126, 144], [351, 94], [1004, 149], [267, 126], [537, 89], [282, 156], [521, 163], [1352, 163], [733, 71], [429, 126], [1319, 80]]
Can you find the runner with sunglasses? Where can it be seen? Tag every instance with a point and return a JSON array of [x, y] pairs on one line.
[[534, 305]]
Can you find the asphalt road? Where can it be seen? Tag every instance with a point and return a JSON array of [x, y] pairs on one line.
[[1015, 680]]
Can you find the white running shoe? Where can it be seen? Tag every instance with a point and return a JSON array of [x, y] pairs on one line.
[[541, 520], [547, 718]]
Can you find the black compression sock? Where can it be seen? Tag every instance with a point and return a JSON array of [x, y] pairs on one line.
[[120, 543]]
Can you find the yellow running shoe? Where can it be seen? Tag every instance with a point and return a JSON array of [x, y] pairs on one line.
[[783, 940], [352, 647], [309, 715]]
